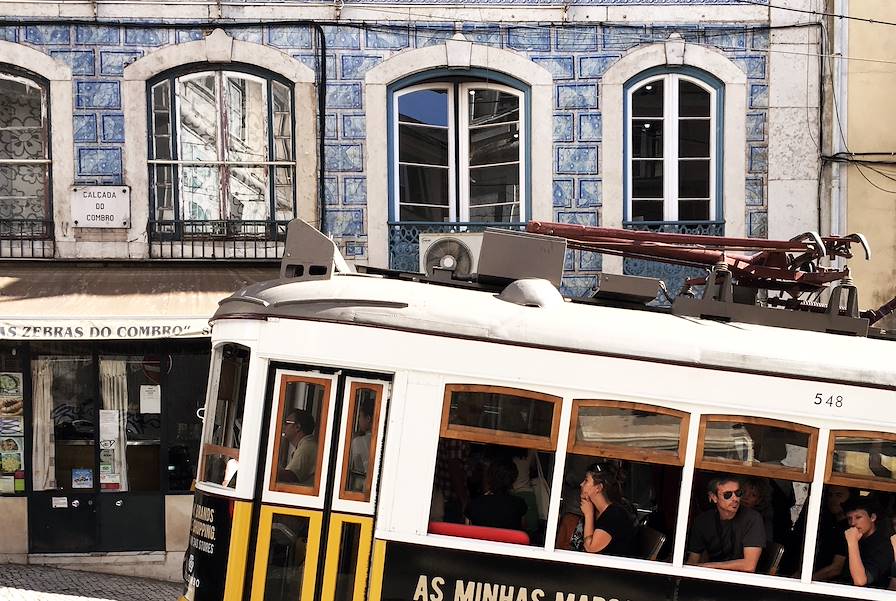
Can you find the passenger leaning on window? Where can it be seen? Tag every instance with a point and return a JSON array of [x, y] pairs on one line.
[[728, 536], [606, 527], [869, 551]]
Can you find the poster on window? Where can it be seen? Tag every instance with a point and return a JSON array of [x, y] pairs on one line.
[[82, 478], [10, 406], [11, 385], [110, 445], [12, 426]]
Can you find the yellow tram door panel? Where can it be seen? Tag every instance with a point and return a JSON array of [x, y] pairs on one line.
[[286, 556], [238, 552], [347, 558]]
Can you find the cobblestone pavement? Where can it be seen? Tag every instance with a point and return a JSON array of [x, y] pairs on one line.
[[39, 583]]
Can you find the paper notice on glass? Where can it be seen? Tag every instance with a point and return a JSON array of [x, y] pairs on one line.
[[150, 399], [7, 485], [108, 428], [60, 502]]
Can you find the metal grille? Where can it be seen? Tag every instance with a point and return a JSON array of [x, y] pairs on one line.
[[26, 238], [245, 240]]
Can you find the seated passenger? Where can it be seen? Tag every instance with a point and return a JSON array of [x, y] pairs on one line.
[[298, 431], [727, 536], [606, 527], [830, 554], [869, 551], [757, 495], [497, 506]]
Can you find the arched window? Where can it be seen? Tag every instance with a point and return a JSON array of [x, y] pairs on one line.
[[25, 195], [221, 153], [673, 148], [459, 153]]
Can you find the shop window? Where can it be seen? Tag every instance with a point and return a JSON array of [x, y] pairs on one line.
[[12, 422], [221, 154], [25, 208], [183, 397], [224, 423], [360, 444]]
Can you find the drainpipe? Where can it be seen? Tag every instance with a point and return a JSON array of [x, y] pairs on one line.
[[839, 198]]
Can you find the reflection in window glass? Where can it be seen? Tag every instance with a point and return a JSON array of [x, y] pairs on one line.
[[361, 443], [286, 558], [755, 444], [864, 457], [184, 395], [501, 411], [348, 561], [221, 449], [611, 426], [297, 455]]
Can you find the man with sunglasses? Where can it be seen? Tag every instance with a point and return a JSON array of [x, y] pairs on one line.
[[728, 536]]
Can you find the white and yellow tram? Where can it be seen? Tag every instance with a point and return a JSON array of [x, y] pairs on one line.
[[392, 371]]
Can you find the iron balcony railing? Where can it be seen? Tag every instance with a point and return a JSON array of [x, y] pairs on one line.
[[699, 228], [27, 239], [217, 239]]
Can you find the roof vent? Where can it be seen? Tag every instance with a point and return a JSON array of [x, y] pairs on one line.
[[509, 255], [310, 255], [531, 292]]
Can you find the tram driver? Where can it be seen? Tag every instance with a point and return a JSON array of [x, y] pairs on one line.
[[298, 433], [727, 536]]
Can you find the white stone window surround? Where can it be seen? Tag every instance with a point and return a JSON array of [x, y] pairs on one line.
[[61, 124], [674, 52], [217, 50], [456, 53]]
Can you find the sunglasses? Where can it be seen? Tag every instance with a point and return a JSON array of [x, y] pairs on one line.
[[730, 493]]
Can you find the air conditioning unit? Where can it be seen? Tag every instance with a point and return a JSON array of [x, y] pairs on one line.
[[457, 251]]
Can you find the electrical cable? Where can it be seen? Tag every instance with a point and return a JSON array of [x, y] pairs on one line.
[[815, 12]]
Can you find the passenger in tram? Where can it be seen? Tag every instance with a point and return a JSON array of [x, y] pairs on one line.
[[298, 430], [726, 536], [498, 507], [870, 553], [757, 496], [607, 527], [360, 447], [452, 465], [570, 500], [830, 554]]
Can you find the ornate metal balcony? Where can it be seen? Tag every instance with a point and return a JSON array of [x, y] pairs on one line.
[[27, 238], [261, 240], [698, 228]]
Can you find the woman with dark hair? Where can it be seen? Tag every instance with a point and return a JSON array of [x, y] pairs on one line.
[[606, 526], [497, 506]]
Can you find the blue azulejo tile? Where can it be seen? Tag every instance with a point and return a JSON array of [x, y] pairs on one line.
[[589, 193], [577, 39], [569, 260], [577, 217], [753, 66], [590, 261], [563, 128], [290, 37], [577, 96], [48, 34], [355, 250], [623, 38], [113, 62], [758, 96], [343, 157], [595, 66], [99, 161], [355, 67], [342, 37], [760, 40], [330, 127], [253, 35], [758, 226], [534, 39], [758, 159], [311, 61], [386, 39], [755, 188], [104, 35], [485, 35], [590, 127], [331, 191], [8, 34], [97, 94], [560, 67], [727, 39], [344, 96], [189, 35], [345, 222], [113, 128], [80, 61], [430, 35], [146, 37], [579, 160], [353, 127], [755, 126], [563, 193], [354, 190], [84, 128], [575, 286]]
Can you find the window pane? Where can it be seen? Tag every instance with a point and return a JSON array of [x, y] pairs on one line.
[[424, 145], [647, 179], [647, 101], [869, 457], [693, 209], [693, 101], [348, 562], [496, 213], [23, 193], [222, 442], [22, 133], [161, 120], [424, 106], [501, 411], [423, 213], [693, 138], [647, 209], [199, 114], [423, 185], [199, 190], [624, 427], [283, 192], [493, 106], [282, 109], [647, 139], [491, 186], [693, 179], [361, 448], [303, 417], [248, 193], [247, 119], [755, 445], [286, 558], [497, 144], [163, 192]]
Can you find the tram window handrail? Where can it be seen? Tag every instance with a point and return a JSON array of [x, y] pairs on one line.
[[867, 482], [631, 453]]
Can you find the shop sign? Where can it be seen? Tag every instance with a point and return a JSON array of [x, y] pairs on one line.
[[106, 329], [101, 206]]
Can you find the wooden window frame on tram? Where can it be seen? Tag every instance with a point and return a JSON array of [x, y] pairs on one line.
[[364, 495], [852, 480]]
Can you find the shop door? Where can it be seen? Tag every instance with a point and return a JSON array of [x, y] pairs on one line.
[[62, 522], [315, 529]]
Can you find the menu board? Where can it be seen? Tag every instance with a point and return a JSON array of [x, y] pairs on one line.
[[12, 432]]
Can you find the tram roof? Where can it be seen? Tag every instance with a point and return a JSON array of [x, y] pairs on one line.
[[563, 325]]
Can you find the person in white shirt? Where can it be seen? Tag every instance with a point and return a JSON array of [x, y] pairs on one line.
[[298, 430]]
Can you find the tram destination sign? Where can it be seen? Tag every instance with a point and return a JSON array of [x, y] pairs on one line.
[[101, 206]]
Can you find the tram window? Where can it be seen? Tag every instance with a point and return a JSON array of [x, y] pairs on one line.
[[301, 424], [286, 558], [220, 449], [863, 459], [360, 442]]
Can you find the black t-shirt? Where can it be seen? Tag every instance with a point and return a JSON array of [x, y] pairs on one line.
[[498, 511], [831, 541], [724, 540], [617, 522], [877, 557]]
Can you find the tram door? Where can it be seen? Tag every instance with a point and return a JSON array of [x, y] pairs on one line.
[[315, 527]]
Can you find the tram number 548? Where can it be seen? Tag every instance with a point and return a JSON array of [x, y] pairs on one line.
[[830, 401]]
